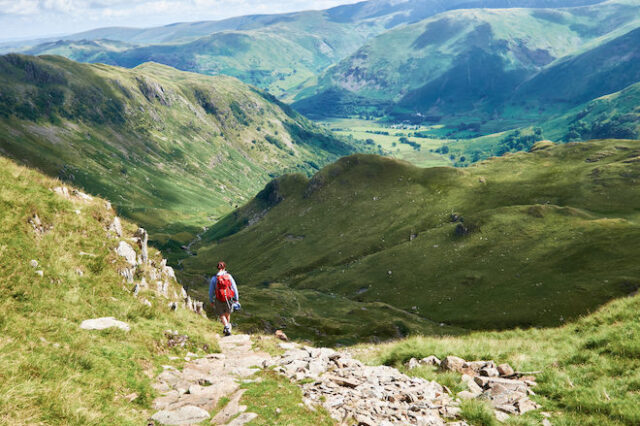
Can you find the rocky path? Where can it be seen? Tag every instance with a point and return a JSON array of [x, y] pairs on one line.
[[357, 394], [189, 395], [351, 392]]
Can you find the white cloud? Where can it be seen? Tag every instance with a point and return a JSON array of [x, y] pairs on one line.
[[19, 7]]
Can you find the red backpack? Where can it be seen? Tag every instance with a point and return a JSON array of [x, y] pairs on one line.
[[224, 288]]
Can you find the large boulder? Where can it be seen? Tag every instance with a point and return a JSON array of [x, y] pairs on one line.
[[103, 323], [126, 251], [453, 363]]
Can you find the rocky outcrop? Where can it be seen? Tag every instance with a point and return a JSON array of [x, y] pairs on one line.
[[143, 240], [137, 267], [355, 393], [507, 390]]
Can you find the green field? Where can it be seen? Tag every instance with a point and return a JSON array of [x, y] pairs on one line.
[[364, 130]]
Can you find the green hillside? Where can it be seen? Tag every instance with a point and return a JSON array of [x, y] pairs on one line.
[[58, 267], [589, 369], [172, 150], [469, 63], [614, 116], [579, 78], [527, 239]]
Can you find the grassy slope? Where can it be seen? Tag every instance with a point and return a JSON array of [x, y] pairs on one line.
[[590, 367], [51, 371], [607, 68], [463, 60], [552, 235], [615, 116], [173, 150]]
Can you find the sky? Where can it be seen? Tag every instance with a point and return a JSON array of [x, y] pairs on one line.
[[24, 19]]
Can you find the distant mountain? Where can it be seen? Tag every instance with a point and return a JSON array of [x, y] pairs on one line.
[[472, 61], [410, 11], [530, 239], [171, 149], [283, 53], [578, 78], [277, 52]]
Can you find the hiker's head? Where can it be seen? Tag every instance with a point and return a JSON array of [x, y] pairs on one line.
[[222, 266]]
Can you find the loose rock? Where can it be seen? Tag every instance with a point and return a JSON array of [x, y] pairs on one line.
[[103, 323], [181, 416]]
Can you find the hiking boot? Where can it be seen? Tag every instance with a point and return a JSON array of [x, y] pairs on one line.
[[226, 331]]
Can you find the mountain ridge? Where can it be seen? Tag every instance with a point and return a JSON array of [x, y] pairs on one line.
[[151, 138], [465, 63]]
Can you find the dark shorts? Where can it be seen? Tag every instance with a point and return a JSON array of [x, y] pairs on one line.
[[221, 308]]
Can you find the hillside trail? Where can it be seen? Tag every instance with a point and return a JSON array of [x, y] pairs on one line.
[[351, 392], [189, 395]]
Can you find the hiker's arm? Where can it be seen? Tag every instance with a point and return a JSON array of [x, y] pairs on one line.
[[235, 288], [212, 288]]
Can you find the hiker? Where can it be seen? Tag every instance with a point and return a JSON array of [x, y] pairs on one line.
[[223, 295]]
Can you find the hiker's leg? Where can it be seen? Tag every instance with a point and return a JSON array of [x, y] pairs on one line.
[[228, 318], [224, 319]]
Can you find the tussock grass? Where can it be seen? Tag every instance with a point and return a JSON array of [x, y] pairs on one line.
[[51, 371], [478, 413], [590, 368], [277, 401]]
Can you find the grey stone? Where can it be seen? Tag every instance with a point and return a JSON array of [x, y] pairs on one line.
[[61, 190], [501, 416], [242, 419], [33, 263], [430, 360], [412, 363], [143, 239], [489, 372], [453, 363], [525, 404], [116, 226], [232, 408], [103, 323], [317, 367], [182, 416], [505, 370], [126, 251], [514, 385], [82, 195], [467, 395]]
